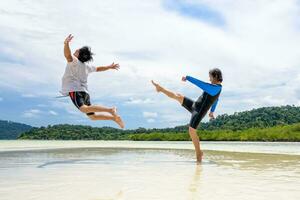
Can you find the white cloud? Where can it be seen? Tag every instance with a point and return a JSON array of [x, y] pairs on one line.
[[32, 113], [66, 106], [150, 120], [28, 95], [257, 49], [41, 105], [36, 113], [136, 101], [150, 114], [52, 112]]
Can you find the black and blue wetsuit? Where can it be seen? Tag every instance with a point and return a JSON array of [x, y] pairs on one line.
[[208, 99]]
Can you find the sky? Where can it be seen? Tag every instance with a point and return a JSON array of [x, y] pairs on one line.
[[254, 42]]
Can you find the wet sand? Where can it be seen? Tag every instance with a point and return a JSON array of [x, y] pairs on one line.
[[96, 173]]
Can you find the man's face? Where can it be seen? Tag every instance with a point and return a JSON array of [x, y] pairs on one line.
[[76, 53]]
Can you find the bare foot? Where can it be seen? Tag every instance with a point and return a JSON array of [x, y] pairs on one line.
[[114, 111], [119, 121], [199, 157], [157, 86]]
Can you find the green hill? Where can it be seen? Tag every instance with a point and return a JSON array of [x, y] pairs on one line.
[[254, 125], [286, 133], [256, 118], [11, 130]]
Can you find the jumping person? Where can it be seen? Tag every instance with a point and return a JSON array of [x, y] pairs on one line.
[[74, 83], [198, 109]]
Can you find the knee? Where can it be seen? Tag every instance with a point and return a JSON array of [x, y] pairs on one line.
[[84, 109], [192, 130], [92, 117], [179, 97]]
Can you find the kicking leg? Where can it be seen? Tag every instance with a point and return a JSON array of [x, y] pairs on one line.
[[195, 139], [97, 108], [115, 118], [176, 96]]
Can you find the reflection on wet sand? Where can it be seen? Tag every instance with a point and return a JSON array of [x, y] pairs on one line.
[[195, 183], [254, 161], [126, 173]]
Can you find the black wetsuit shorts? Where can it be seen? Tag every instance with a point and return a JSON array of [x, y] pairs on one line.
[[80, 98], [198, 108]]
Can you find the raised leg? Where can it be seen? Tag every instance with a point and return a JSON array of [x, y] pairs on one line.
[[115, 118], [169, 93], [97, 108]]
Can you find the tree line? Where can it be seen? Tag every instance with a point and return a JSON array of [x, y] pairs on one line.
[[262, 124]]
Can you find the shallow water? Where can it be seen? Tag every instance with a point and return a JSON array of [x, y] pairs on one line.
[[292, 148], [147, 170]]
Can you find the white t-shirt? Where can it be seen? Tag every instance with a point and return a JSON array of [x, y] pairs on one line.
[[75, 76]]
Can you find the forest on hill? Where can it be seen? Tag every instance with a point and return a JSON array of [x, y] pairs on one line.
[[11, 130], [262, 124]]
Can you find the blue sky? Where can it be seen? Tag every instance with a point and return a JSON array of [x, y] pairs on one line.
[[254, 43], [197, 10]]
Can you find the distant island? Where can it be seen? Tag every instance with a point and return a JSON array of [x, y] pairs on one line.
[[11, 130], [262, 124]]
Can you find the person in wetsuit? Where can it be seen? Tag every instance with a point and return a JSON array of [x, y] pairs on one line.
[[199, 108]]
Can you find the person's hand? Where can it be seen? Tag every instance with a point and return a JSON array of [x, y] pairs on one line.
[[68, 39], [211, 116], [115, 66], [183, 78]]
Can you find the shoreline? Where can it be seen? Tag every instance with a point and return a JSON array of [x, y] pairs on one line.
[[286, 148]]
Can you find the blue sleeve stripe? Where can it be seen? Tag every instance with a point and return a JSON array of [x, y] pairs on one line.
[[207, 87], [213, 107]]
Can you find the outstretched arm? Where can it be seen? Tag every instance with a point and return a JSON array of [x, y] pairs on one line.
[[111, 66], [67, 51], [212, 110], [207, 87], [213, 107]]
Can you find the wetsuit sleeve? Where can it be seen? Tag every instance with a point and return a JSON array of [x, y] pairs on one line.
[[213, 107], [207, 87]]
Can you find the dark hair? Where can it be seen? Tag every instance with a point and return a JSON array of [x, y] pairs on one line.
[[216, 74], [85, 54]]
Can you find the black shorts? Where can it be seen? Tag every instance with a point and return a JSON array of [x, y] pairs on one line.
[[81, 98], [197, 115]]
